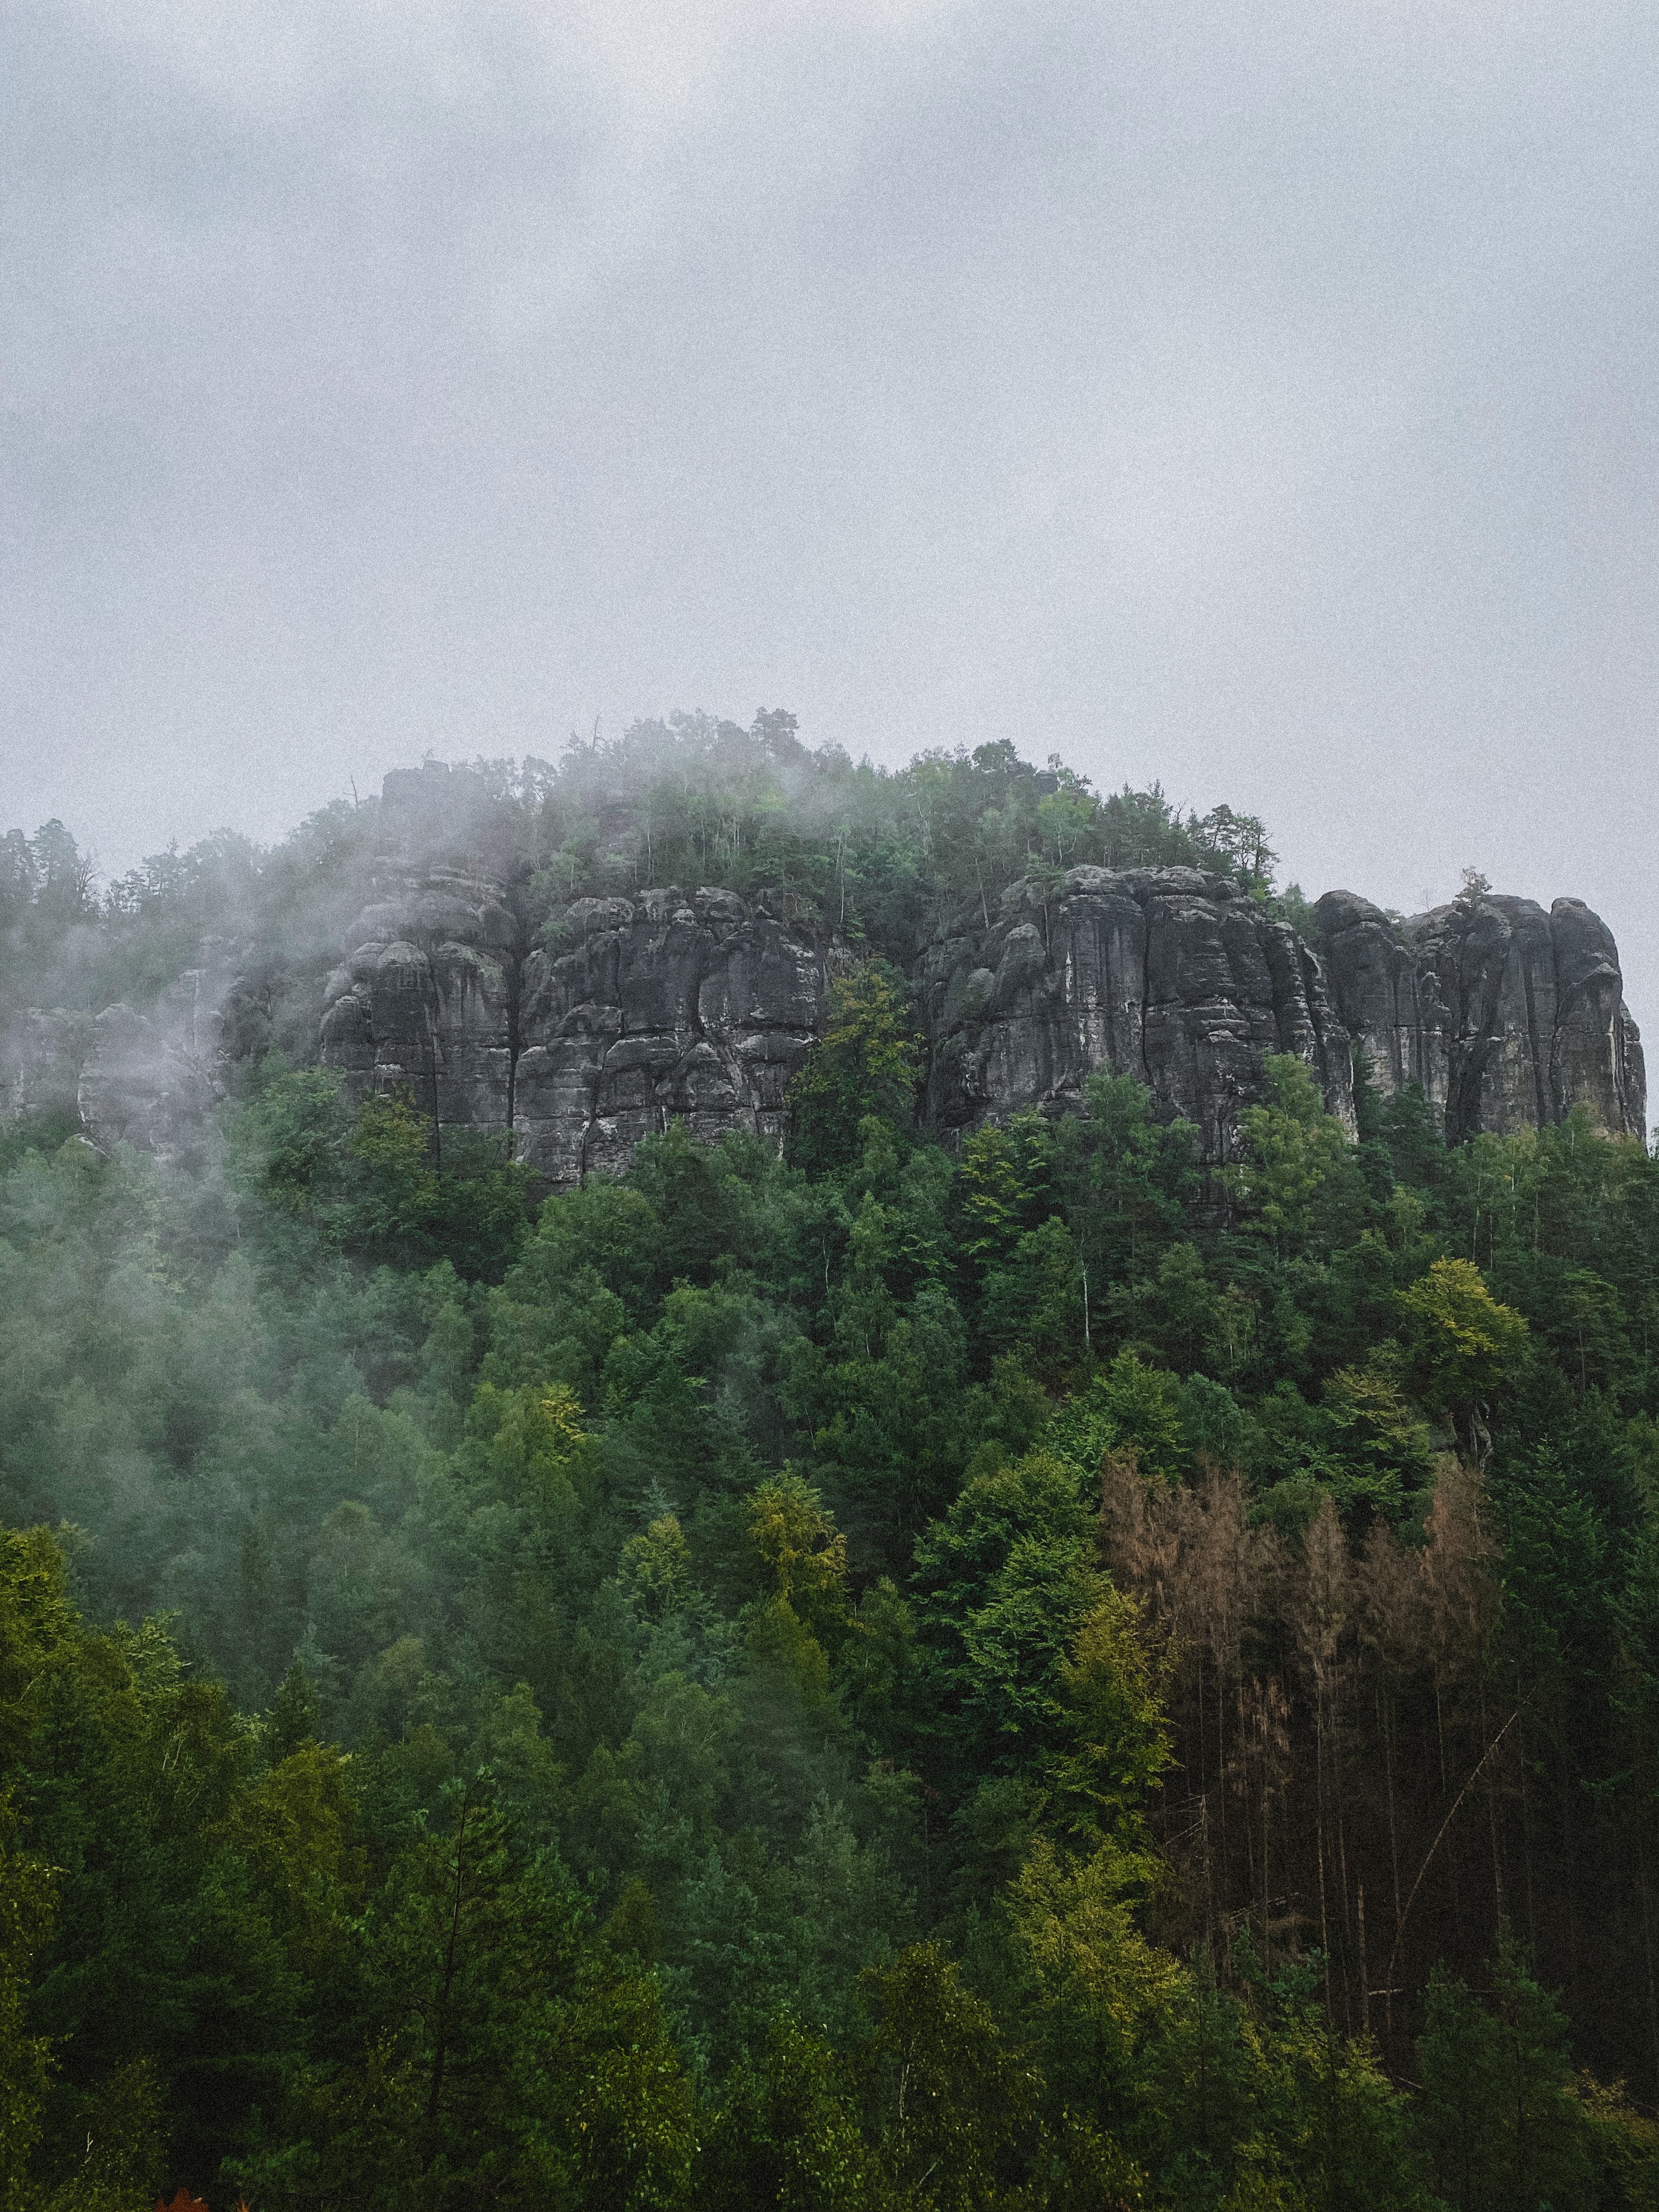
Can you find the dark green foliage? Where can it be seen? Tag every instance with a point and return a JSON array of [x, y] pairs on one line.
[[1126, 1178], [865, 1067], [1011, 1675], [373, 1184], [26, 1901], [1498, 2121]]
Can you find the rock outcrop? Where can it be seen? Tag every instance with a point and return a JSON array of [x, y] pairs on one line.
[[1176, 978], [1507, 1017], [671, 1005], [697, 1006], [147, 1080], [623, 1014], [427, 998], [42, 1054]]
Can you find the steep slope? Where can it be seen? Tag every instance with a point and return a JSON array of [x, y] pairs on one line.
[[1508, 1016]]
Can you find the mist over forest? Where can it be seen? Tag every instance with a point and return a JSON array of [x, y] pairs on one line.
[[1037, 1662]]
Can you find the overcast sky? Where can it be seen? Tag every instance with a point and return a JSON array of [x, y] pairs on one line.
[[1264, 398]]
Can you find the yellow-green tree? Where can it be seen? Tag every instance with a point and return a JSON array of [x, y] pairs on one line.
[[1299, 1168], [804, 1621], [950, 2096], [1112, 1714], [866, 1063], [805, 1551], [1465, 1343]]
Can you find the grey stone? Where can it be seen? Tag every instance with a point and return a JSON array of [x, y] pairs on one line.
[[1508, 1016], [663, 1007], [146, 1082], [42, 1057], [1165, 975], [635, 1012], [700, 1006]]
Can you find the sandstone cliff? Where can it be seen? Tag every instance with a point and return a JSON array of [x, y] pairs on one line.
[[1176, 978], [616, 1015], [1505, 1015], [144, 1079], [696, 1005], [666, 1005]]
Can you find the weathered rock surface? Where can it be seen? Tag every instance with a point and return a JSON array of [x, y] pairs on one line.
[[144, 1085], [696, 1006], [42, 1055], [669, 1005], [1508, 1016], [1176, 978], [427, 997]]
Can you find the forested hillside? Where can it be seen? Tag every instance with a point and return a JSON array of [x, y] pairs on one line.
[[1027, 1673], [697, 800]]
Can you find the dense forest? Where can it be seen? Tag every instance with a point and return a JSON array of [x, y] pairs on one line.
[[1037, 1673], [876, 853]]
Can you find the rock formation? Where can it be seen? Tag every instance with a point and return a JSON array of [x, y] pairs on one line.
[[1173, 977], [427, 997], [41, 1055], [621, 1014], [697, 1006], [669, 1005], [1505, 1015], [147, 1080]]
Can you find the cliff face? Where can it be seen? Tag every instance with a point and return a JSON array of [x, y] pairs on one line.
[[147, 1080], [696, 1006], [1507, 1016], [425, 997], [1171, 976], [666, 1005]]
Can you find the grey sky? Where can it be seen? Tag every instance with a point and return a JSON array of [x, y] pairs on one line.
[[1263, 398]]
